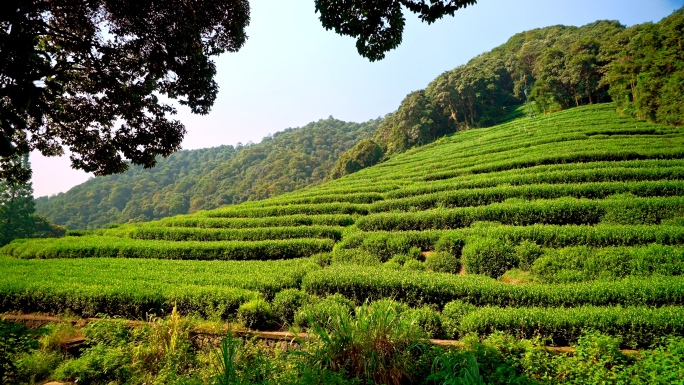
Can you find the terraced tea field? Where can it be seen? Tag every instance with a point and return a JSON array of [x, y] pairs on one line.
[[538, 227]]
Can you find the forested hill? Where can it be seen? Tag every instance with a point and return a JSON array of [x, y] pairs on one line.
[[640, 69], [192, 180]]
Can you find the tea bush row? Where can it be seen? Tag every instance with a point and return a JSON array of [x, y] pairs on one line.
[[242, 223], [563, 211], [119, 275], [555, 236], [418, 288], [276, 211], [618, 150], [577, 264], [350, 195], [113, 247], [249, 234], [591, 172], [638, 327], [486, 196]]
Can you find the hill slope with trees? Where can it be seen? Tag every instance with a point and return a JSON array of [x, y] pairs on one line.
[[640, 68], [193, 180]]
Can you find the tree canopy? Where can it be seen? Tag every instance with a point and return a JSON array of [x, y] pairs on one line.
[[86, 74], [378, 25], [17, 218]]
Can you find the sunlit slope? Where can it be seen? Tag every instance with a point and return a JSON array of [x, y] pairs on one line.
[[581, 208]]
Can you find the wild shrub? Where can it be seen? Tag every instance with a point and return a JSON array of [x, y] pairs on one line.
[[111, 332], [98, 365], [15, 339], [56, 336], [380, 343], [488, 256], [429, 320]]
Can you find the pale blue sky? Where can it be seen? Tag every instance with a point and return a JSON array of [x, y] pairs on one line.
[[292, 71]]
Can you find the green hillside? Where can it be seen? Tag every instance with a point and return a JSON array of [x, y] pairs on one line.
[[639, 68], [543, 226], [193, 180]]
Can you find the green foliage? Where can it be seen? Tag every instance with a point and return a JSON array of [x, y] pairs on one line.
[[99, 365], [559, 211], [417, 288], [14, 340], [192, 180], [287, 302], [637, 326], [110, 332], [414, 264], [364, 154], [442, 262], [645, 79], [446, 371], [323, 311], [451, 243], [17, 218], [452, 314], [379, 343], [243, 223], [37, 366], [584, 263], [135, 288], [345, 256], [293, 209], [429, 320], [384, 247], [488, 256], [115, 247], [527, 252], [252, 234], [256, 314]]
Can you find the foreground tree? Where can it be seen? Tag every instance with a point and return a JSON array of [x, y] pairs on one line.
[[378, 25], [87, 74], [17, 218]]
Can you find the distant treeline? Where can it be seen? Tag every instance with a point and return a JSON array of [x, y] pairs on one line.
[[640, 69], [189, 181]]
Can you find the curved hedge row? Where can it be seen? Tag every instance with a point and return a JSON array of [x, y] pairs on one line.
[[113, 247], [274, 211], [243, 223], [593, 172], [556, 211], [249, 234], [486, 196], [418, 288], [133, 302], [555, 236], [638, 327]]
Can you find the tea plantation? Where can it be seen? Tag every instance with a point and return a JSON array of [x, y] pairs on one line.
[[540, 227]]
